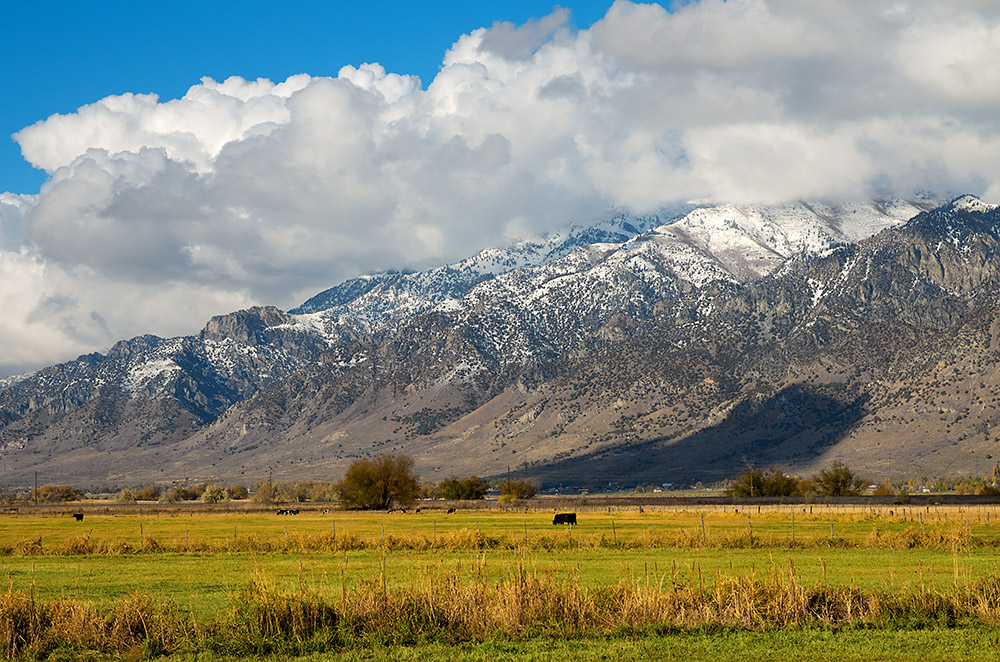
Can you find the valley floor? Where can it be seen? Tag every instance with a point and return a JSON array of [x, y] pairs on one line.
[[688, 584]]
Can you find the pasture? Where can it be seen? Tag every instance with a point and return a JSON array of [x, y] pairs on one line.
[[622, 581]]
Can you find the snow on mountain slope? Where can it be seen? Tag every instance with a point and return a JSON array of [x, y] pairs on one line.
[[232, 357], [546, 309], [971, 203], [662, 255], [375, 300], [750, 242]]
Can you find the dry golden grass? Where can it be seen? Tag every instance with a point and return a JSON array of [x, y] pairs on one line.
[[136, 621], [943, 536]]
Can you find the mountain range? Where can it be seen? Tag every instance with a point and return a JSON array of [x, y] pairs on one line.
[[676, 347]]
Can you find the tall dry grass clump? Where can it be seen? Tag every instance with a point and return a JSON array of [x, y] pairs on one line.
[[29, 628], [263, 620], [523, 604], [946, 536]]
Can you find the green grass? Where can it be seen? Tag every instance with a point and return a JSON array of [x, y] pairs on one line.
[[202, 583], [773, 525], [974, 644]]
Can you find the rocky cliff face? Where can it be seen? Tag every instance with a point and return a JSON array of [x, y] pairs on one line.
[[675, 351]]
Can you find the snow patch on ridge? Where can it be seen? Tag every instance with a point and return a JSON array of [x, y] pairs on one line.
[[141, 375], [971, 203]]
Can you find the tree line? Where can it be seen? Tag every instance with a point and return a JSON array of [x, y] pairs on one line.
[[384, 482], [389, 481], [836, 480]]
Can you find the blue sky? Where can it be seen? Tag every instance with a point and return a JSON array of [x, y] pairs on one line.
[[60, 55]]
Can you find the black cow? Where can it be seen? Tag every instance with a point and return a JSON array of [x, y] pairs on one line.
[[78, 517], [288, 511], [451, 510], [564, 518]]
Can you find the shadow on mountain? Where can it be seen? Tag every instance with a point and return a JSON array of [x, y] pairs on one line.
[[793, 426]]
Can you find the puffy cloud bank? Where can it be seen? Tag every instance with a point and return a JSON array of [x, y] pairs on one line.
[[158, 213]]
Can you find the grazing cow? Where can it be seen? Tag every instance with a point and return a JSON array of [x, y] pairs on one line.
[[451, 510], [564, 518], [78, 517]]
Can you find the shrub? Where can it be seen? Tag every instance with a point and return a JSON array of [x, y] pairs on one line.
[[471, 488], [183, 494], [57, 493], [885, 489], [518, 489], [838, 480], [168, 496], [263, 493], [214, 494], [294, 492], [147, 494], [774, 483], [322, 491]]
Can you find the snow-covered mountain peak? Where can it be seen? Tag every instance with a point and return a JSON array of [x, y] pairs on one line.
[[749, 242], [683, 244], [971, 203]]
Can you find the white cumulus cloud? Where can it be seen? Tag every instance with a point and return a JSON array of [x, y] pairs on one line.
[[158, 213]]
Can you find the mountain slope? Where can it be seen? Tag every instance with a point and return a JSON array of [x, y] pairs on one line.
[[674, 350], [796, 368]]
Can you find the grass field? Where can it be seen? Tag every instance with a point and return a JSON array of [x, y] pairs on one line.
[[681, 582], [973, 644]]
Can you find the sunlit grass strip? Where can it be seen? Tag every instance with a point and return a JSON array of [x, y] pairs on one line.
[[444, 606], [946, 537]]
